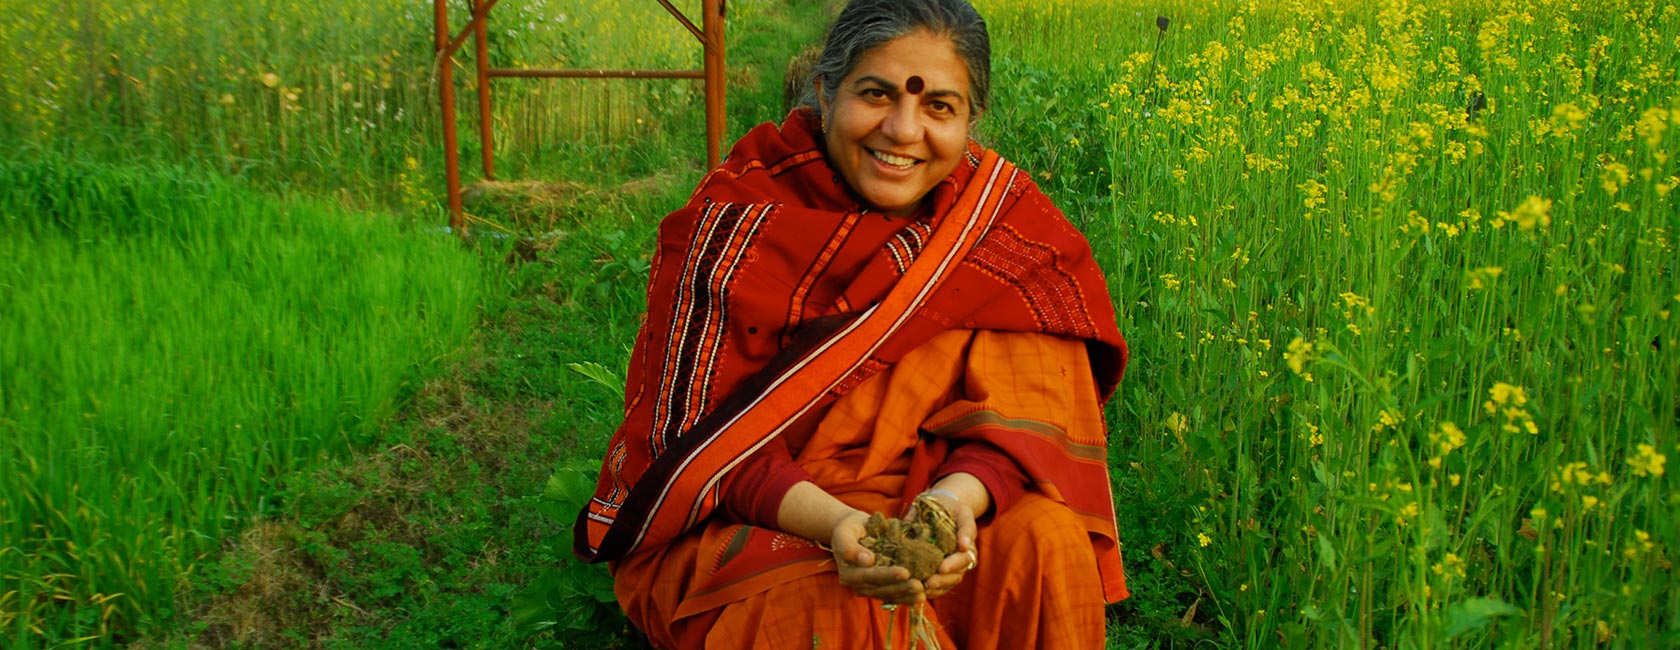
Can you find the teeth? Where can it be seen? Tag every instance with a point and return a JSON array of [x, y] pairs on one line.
[[896, 161]]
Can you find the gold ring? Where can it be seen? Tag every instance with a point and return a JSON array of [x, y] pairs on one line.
[[889, 606], [972, 560]]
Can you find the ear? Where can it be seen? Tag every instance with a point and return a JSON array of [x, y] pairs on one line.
[[822, 99]]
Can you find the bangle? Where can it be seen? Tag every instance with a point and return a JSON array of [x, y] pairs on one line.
[[946, 493]]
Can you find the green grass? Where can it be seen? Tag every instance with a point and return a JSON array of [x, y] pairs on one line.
[[174, 343], [439, 534]]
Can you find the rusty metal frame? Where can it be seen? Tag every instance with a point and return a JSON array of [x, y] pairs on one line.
[[709, 33]]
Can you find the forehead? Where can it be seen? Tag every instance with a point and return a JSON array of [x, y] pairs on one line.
[[919, 53]]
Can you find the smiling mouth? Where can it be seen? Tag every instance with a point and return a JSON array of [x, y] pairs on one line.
[[890, 160]]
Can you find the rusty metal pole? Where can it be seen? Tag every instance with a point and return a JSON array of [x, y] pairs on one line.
[[711, 36], [712, 24], [595, 73], [446, 96], [485, 138]]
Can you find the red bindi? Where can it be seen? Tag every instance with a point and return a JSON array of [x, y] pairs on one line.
[[913, 85]]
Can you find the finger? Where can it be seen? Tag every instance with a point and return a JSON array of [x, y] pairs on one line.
[[874, 577], [849, 548], [954, 564], [897, 595], [911, 592], [966, 530], [941, 584], [902, 592]]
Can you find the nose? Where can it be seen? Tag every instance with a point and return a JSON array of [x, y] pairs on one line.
[[903, 122]]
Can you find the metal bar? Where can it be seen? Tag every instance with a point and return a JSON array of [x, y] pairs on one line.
[[716, 108], [486, 139], [597, 74], [446, 96], [472, 26], [684, 20]]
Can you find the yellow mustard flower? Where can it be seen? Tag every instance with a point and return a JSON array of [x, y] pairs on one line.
[[1534, 212], [1450, 567], [1646, 461], [1484, 276], [1651, 126], [1503, 394], [1299, 352], [1450, 437]]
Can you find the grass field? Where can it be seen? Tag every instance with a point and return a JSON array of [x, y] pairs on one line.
[[223, 258], [174, 344], [1399, 281]]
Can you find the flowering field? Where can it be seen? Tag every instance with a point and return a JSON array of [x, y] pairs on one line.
[[1400, 282]]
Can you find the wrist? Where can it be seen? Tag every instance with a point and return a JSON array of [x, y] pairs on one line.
[[964, 488], [811, 513], [950, 500], [846, 513]]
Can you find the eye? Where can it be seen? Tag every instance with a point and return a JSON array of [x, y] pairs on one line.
[[873, 93], [942, 108]]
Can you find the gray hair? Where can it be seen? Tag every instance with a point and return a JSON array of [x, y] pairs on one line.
[[866, 24]]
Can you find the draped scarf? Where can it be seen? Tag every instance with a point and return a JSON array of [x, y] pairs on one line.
[[773, 291]]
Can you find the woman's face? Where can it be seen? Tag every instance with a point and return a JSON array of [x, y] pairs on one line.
[[898, 124]]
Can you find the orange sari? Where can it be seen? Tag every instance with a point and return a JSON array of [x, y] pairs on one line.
[[774, 297]]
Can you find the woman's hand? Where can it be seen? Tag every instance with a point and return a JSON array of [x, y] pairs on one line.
[[959, 493], [858, 572], [811, 513]]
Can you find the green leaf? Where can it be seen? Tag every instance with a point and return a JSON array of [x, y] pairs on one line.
[[568, 486], [1326, 553], [568, 490], [1475, 613], [574, 597], [533, 609], [1435, 527], [594, 581], [601, 375]]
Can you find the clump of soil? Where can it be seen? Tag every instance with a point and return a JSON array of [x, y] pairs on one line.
[[918, 542]]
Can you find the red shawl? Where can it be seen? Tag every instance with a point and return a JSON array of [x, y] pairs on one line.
[[773, 292]]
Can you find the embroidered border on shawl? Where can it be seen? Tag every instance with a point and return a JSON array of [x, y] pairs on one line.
[[1050, 292], [908, 244], [870, 366], [722, 237]]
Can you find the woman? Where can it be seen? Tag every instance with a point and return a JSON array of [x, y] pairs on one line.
[[859, 307]]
